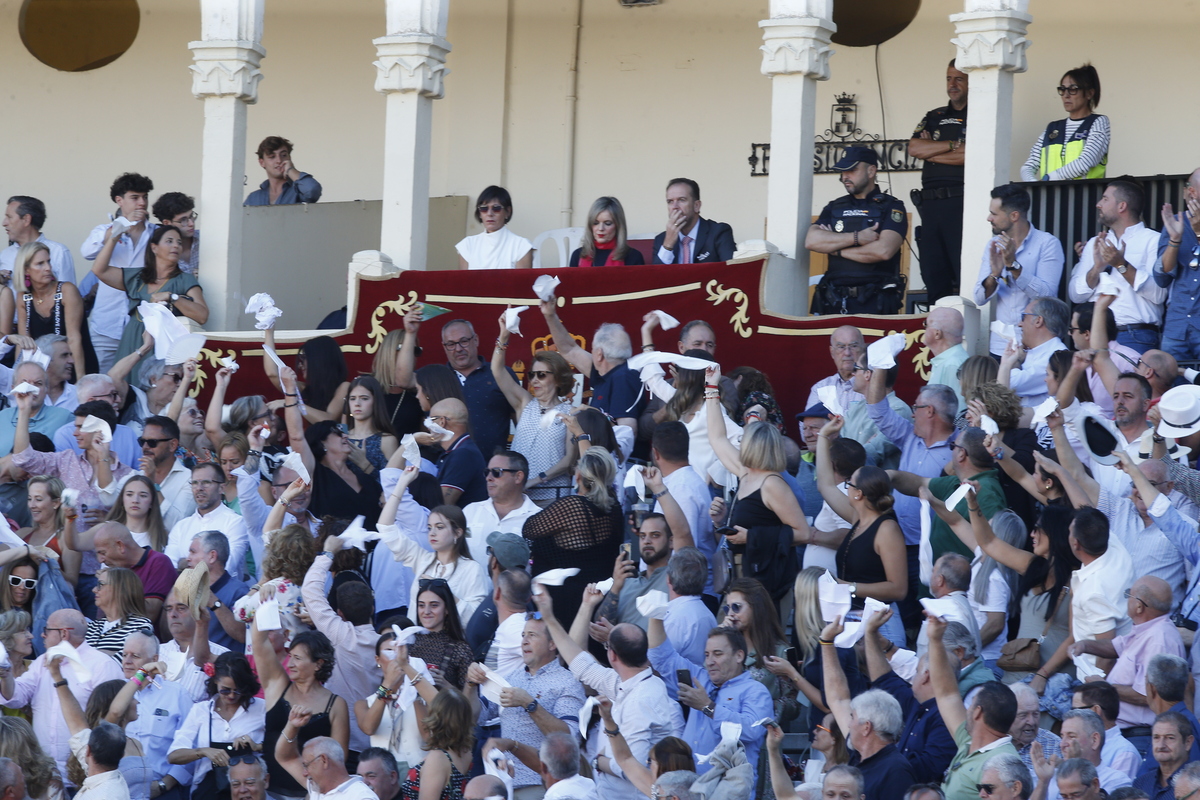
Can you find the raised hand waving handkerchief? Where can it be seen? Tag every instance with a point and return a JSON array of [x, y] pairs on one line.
[[356, 535], [36, 356], [262, 306], [295, 463], [228, 363], [834, 597], [553, 577], [512, 319], [407, 635], [636, 480], [1043, 410], [544, 287], [853, 631], [665, 320], [1109, 285], [97, 426], [412, 450], [828, 395], [653, 604], [881, 354], [663, 357]]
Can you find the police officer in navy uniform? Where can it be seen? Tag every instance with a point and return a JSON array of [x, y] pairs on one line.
[[940, 141], [862, 234]]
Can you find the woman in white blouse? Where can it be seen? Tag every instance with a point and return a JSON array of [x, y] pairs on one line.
[[497, 247], [446, 556]]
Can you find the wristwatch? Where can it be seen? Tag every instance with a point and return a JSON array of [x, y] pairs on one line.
[[532, 707], [217, 604], [1121, 269]]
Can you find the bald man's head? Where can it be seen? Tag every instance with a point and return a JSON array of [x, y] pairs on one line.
[[451, 414], [484, 786], [1154, 594], [71, 622], [114, 545], [1160, 368], [948, 322]]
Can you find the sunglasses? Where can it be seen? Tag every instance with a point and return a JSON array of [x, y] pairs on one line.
[[17, 581], [498, 472], [732, 608], [540, 374], [150, 442], [823, 728], [495, 208], [987, 788], [1071, 90], [225, 691], [428, 583], [235, 760]]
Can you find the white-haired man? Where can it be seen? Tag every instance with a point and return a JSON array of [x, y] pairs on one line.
[[162, 707], [944, 337]]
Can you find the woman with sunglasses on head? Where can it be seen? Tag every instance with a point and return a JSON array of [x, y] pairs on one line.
[[365, 418], [541, 435], [497, 247], [121, 600], [604, 238], [44, 498], [227, 728], [340, 487], [444, 648], [194, 446], [449, 556], [1075, 147], [872, 558], [749, 608], [300, 685]]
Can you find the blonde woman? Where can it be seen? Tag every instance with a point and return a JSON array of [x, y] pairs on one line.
[[604, 239], [121, 598]]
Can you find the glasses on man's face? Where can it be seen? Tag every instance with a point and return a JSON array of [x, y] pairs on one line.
[[860, 368], [111, 396], [1077, 330], [19, 582], [204, 484], [1129, 595], [732, 608], [921, 405], [460, 344], [225, 691], [151, 443], [846, 346], [498, 472], [438, 420], [1025, 314], [1072, 90], [985, 789], [60, 631], [540, 374], [1189, 794], [183, 219], [495, 208], [307, 764]]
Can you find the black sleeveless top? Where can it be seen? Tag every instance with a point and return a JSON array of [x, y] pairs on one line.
[[857, 561], [55, 323], [751, 512], [282, 781]]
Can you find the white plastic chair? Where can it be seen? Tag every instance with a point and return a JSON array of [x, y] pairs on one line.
[[567, 239]]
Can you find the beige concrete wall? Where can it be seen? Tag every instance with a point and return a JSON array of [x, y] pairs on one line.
[[666, 90]]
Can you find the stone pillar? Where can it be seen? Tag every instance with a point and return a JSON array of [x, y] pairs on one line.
[[225, 76], [991, 49], [795, 56], [410, 69]]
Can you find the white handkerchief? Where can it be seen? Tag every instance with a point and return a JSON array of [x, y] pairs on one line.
[[730, 733], [665, 320], [406, 696], [8, 536], [267, 616], [407, 635], [70, 497], [652, 604], [663, 357], [828, 395], [175, 661], [544, 287], [635, 479], [1109, 285], [120, 225], [492, 686], [229, 364], [553, 577], [441, 434], [173, 343], [988, 425], [1043, 410], [925, 547], [262, 306], [295, 463], [36, 356], [1005, 329], [605, 585], [271, 354], [881, 354], [853, 631], [24, 387], [412, 450], [834, 597], [65, 648], [356, 535], [957, 496], [549, 419], [97, 426], [496, 765], [585, 715], [945, 607], [763, 721], [512, 319]]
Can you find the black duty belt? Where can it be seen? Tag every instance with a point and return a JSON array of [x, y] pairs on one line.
[[941, 192]]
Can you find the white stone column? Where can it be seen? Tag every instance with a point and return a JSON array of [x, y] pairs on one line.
[[410, 67], [225, 76], [795, 56], [991, 49]]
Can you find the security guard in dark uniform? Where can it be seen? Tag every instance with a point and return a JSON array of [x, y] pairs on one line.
[[862, 234], [940, 140]]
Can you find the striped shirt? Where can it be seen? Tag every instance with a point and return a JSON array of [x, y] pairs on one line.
[[110, 638]]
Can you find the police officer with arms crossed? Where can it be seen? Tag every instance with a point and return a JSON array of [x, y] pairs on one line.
[[861, 233], [940, 141]]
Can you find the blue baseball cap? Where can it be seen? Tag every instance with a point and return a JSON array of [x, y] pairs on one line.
[[855, 155]]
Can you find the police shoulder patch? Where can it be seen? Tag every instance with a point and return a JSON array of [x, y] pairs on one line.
[[1054, 134], [839, 225], [937, 134], [897, 215]]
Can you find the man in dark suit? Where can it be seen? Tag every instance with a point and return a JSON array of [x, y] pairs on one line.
[[690, 239]]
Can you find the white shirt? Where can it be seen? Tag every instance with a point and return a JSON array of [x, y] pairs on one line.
[[1119, 753], [467, 578], [399, 731], [482, 520], [162, 707], [62, 264], [1097, 604], [1110, 780], [643, 711], [1041, 258], [996, 601], [700, 452], [1029, 382], [191, 678], [68, 399], [223, 519], [1141, 303], [194, 731], [36, 688], [508, 644], [690, 491], [501, 249], [111, 310], [355, 788], [575, 786], [963, 614]]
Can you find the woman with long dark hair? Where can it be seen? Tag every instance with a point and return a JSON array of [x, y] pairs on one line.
[[365, 417], [750, 609], [497, 247], [1075, 147], [159, 281], [319, 381], [444, 648], [604, 238]]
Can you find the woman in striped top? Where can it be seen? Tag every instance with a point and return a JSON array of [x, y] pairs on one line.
[[120, 597]]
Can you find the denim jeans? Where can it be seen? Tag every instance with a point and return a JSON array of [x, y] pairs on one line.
[[1181, 341], [1140, 340]]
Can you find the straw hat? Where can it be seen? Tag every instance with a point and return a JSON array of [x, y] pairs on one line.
[[191, 587]]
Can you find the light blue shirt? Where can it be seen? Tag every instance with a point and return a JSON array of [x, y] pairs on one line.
[[1041, 258], [162, 707], [741, 699], [46, 421], [1029, 382], [687, 623], [916, 457]]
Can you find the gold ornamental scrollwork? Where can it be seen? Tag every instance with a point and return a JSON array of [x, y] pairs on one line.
[[213, 357], [399, 306], [740, 320], [921, 361]]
